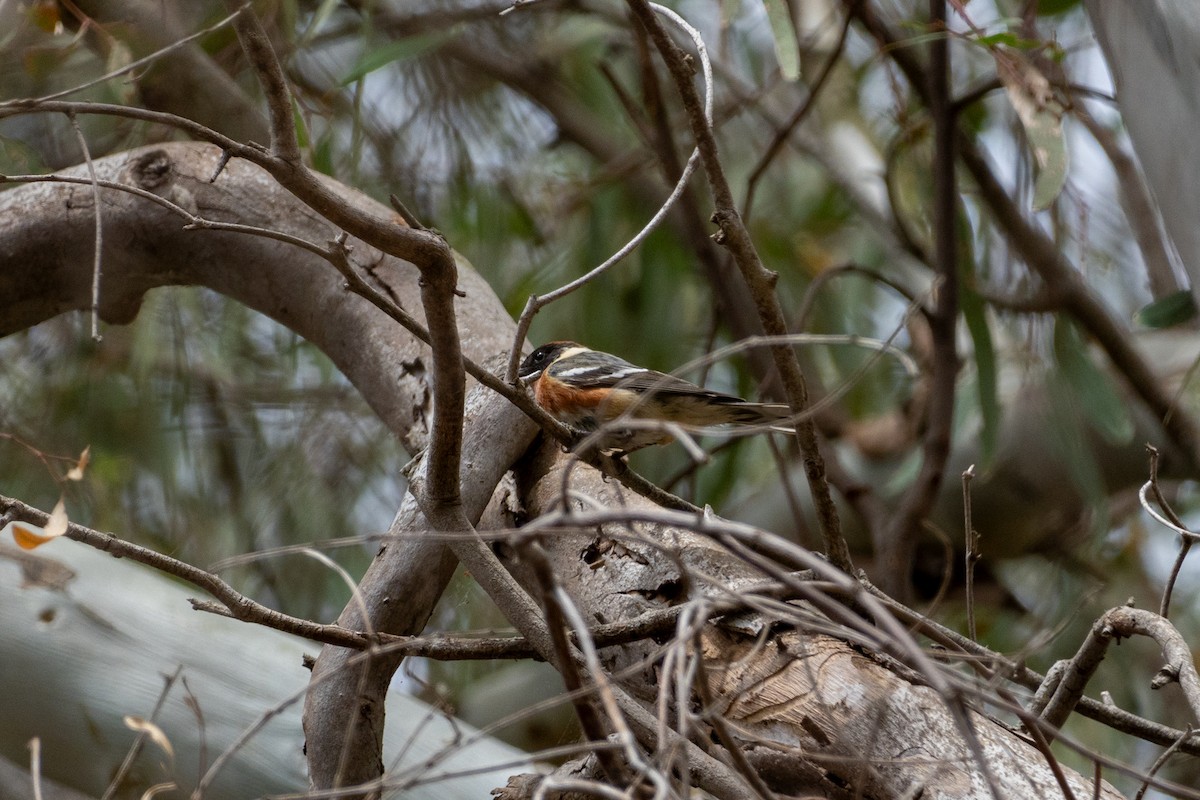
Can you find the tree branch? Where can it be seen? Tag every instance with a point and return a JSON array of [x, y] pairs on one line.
[[1118, 623], [736, 238], [1045, 258]]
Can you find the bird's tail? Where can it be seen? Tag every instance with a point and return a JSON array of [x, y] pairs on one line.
[[747, 413]]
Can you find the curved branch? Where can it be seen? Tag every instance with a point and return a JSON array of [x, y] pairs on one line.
[[146, 246], [1119, 623]]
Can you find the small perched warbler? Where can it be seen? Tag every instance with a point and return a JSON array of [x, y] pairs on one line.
[[587, 389]]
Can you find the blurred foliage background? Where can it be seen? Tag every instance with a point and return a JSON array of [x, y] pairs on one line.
[[539, 142]]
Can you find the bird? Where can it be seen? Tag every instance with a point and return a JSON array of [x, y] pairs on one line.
[[594, 391]]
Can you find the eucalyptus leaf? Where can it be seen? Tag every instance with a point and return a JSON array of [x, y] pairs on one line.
[[1041, 117], [975, 315], [1008, 39], [1169, 311], [402, 50], [783, 31]]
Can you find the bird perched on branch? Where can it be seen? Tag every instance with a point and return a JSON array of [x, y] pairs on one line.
[[595, 391]]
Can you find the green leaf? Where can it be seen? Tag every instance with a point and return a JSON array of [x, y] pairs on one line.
[[975, 314], [1050, 151], [1041, 116], [402, 50], [1166, 312], [1009, 39], [1049, 7], [1092, 389], [301, 128], [322, 155], [783, 31]]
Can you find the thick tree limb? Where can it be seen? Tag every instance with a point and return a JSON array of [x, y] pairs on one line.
[[775, 687], [41, 277]]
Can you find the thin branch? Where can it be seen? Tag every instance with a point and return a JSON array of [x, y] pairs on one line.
[[991, 665], [257, 47], [1170, 519], [606, 691], [896, 549], [135, 748], [760, 281], [971, 555], [421, 248], [591, 720], [536, 303], [1162, 760], [783, 133], [148, 59], [238, 605], [35, 766], [1042, 743], [1120, 623], [711, 774], [98, 240], [442, 647]]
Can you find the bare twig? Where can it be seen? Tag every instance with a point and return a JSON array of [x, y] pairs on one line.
[[591, 720], [35, 766], [972, 549], [761, 282], [1162, 760], [237, 605], [783, 133], [257, 47], [897, 547], [991, 664], [410, 218], [118, 778], [609, 699], [537, 302], [1119, 623], [1170, 519], [98, 241], [1042, 743]]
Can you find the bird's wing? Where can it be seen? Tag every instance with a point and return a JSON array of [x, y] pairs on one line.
[[596, 371], [650, 381]]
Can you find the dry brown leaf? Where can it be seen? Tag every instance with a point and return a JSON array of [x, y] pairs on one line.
[[153, 731], [76, 472], [28, 537], [57, 524]]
